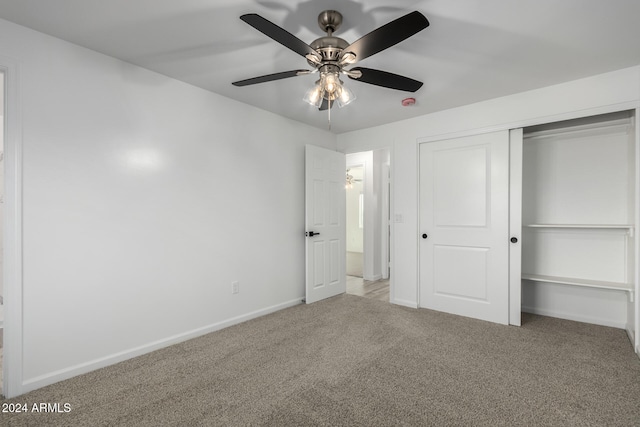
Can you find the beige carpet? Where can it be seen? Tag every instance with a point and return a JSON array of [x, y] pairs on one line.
[[359, 362]]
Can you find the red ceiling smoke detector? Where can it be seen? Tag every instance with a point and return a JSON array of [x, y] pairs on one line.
[[408, 102]]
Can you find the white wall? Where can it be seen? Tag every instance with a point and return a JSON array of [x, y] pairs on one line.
[[601, 93], [1, 193], [143, 199]]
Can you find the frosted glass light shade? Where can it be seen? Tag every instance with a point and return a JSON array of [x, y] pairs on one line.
[[345, 97], [314, 96]]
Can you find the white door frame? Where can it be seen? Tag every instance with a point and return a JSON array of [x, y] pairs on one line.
[[385, 236], [12, 242], [515, 226]]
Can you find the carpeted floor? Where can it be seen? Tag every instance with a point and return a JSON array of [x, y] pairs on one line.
[[359, 362]]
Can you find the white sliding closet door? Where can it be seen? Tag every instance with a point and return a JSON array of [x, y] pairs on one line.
[[464, 226]]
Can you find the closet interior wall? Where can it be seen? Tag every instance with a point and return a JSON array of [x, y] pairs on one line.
[[578, 220]]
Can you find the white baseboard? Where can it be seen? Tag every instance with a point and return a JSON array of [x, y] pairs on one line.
[[83, 368], [574, 317], [372, 278], [631, 336], [405, 303]]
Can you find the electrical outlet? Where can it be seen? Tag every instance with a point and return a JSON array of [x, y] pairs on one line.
[[235, 287]]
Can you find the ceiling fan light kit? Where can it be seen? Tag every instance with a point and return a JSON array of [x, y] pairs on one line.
[[329, 55], [330, 88]]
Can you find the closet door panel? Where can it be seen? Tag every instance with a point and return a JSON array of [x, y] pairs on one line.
[[464, 257], [461, 196]]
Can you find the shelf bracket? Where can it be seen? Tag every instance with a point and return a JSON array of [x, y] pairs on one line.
[[631, 296], [630, 232]]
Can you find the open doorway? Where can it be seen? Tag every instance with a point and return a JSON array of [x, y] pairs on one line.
[[368, 233]]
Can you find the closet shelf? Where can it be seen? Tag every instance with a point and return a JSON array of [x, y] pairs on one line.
[[617, 286]]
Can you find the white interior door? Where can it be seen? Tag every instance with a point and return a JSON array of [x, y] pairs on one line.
[[464, 226], [325, 223]]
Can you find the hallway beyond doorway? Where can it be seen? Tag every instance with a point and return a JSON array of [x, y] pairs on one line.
[[378, 289]]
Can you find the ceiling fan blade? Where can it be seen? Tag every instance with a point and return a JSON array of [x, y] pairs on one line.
[[270, 77], [388, 35], [279, 34], [386, 79], [325, 105]]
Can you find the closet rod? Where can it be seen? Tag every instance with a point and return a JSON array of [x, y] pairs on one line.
[[625, 124]]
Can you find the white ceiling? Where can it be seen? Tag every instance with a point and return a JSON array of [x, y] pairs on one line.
[[472, 51]]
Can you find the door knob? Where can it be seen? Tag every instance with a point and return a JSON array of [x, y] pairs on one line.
[[514, 240], [424, 235], [311, 234]]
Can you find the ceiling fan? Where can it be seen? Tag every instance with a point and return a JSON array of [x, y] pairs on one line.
[[330, 55], [350, 180]]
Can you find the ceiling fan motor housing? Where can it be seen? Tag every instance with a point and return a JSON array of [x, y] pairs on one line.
[[329, 47]]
